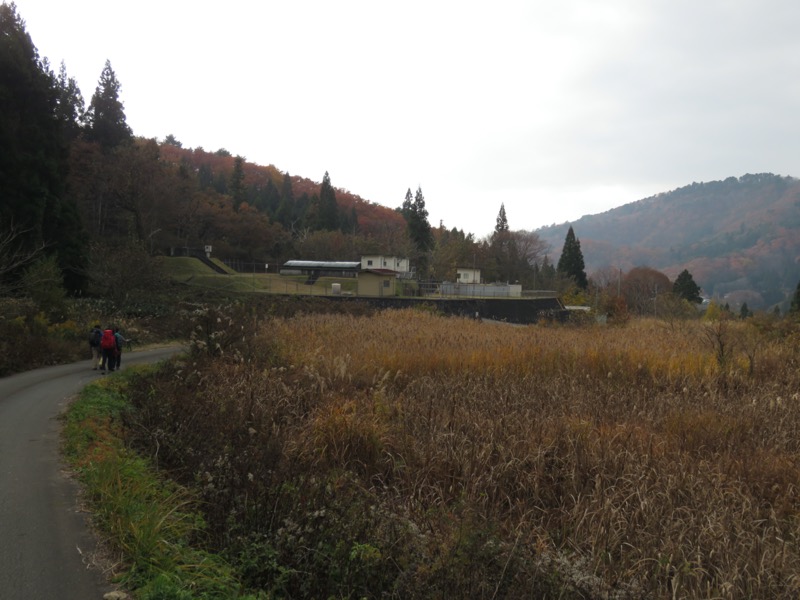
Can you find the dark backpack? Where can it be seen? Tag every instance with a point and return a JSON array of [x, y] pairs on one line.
[[94, 337], [108, 342]]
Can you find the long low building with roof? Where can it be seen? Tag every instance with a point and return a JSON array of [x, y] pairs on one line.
[[321, 268]]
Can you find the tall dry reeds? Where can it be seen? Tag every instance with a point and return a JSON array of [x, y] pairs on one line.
[[419, 453]]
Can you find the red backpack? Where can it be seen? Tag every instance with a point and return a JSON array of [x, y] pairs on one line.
[[108, 342]]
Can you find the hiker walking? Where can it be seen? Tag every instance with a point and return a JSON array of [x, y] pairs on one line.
[[120, 341], [108, 345], [94, 346]]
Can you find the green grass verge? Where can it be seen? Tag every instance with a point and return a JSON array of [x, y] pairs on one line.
[[150, 521]]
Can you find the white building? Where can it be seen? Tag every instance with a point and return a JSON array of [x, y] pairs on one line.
[[393, 263], [467, 275]]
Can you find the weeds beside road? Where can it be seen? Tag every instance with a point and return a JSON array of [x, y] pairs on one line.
[[150, 524]]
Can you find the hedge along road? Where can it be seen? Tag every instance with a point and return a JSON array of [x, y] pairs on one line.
[[46, 546]]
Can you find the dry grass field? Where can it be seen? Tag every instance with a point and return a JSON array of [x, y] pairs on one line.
[[410, 455]]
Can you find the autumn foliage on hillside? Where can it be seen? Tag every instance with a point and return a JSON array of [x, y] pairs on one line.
[[372, 218], [739, 237]]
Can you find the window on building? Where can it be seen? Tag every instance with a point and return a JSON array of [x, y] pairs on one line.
[[386, 283], [369, 263]]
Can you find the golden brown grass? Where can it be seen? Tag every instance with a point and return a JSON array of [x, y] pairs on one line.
[[624, 462]]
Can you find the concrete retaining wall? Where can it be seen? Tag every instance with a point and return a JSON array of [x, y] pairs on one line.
[[522, 311]]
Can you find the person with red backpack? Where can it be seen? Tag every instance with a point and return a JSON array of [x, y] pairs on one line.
[[108, 346]]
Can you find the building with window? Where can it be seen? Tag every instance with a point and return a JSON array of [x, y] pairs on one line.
[[377, 275], [393, 263], [467, 275], [377, 282]]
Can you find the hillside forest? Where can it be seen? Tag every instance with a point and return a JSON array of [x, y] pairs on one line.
[[79, 186], [740, 238]]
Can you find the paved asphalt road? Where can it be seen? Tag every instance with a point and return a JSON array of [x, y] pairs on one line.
[[45, 545]]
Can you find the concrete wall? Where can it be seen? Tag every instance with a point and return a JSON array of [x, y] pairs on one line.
[[522, 311]]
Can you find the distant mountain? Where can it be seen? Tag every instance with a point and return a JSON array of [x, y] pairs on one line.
[[739, 238]]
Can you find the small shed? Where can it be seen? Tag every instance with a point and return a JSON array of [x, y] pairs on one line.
[[467, 275], [377, 282]]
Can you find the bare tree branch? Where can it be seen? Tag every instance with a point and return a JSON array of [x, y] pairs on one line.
[[14, 255]]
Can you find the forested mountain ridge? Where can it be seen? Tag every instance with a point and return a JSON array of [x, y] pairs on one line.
[[265, 187], [740, 238]]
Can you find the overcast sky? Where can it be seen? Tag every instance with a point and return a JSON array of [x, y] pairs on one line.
[[557, 109]]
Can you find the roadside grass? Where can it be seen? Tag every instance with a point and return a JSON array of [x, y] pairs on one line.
[[153, 526]]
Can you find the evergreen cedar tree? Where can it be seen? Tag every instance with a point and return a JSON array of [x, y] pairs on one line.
[[744, 311], [501, 225], [236, 187], [328, 212], [416, 215], [39, 114], [685, 287], [418, 228], [106, 115], [501, 244], [285, 213], [507, 265], [571, 262]]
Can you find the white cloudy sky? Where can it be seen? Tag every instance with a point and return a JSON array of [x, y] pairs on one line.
[[557, 109]]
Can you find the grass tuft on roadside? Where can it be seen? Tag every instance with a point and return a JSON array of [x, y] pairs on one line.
[[152, 525]]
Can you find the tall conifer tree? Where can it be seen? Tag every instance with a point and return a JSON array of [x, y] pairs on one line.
[[286, 211], [328, 208], [685, 287], [571, 262], [237, 188], [419, 229], [106, 116], [33, 153], [503, 249], [71, 106], [501, 224]]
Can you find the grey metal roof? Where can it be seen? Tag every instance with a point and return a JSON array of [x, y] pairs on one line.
[[321, 264]]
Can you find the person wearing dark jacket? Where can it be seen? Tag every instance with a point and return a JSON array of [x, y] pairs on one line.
[[120, 341], [94, 346]]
